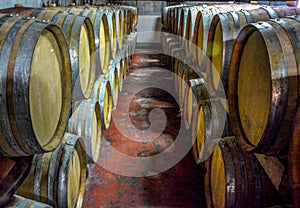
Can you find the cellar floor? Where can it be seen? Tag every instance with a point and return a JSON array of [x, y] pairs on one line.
[[131, 180]]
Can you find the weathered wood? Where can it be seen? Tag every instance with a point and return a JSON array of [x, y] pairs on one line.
[[262, 118], [58, 178], [101, 33], [223, 31], [209, 121], [102, 94], [120, 68], [35, 95], [79, 33], [234, 178], [111, 20], [86, 122], [112, 76]]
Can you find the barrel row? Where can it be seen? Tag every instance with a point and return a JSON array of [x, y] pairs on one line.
[[184, 71], [233, 80], [37, 101], [62, 145], [95, 36]]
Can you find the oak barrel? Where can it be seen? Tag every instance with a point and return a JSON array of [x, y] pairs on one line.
[[182, 25], [223, 31], [119, 27], [35, 96], [120, 68], [58, 178], [209, 121], [86, 122], [101, 34], [79, 34], [112, 26], [193, 99], [202, 24], [234, 178], [102, 94], [112, 76], [263, 87], [189, 31]]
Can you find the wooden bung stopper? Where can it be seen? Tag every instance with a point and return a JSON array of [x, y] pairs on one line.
[[291, 3], [18, 5]]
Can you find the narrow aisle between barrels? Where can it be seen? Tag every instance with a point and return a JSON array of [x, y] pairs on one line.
[[145, 95]]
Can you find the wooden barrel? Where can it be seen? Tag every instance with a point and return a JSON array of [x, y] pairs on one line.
[[176, 54], [168, 20], [202, 25], [189, 31], [101, 34], [134, 21], [286, 11], [185, 74], [21, 202], [180, 76], [223, 31], [176, 21], [80, 36], [165, 11], [125, 21], [35, 95], [79, 33], [212, 119], [234, 178], [192, 101], [202, 22], [267, 79], [112, 76], [58, 178], [182, 25], [22, 11], [111, 18], [209, 120], [176, 66], [102, 94], [126, 60], [126, 65], [187, 94], [171, 13], [196, 114], [119, 27], [129, 20], [120, 68], [13, 173], [86, 122]]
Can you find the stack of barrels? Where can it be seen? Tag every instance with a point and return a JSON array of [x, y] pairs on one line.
[[236, 71], [62, 69]]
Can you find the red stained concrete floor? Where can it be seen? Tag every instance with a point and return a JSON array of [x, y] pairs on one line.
[[180, 186]]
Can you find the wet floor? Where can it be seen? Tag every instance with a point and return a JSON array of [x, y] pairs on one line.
[[145, 158]]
